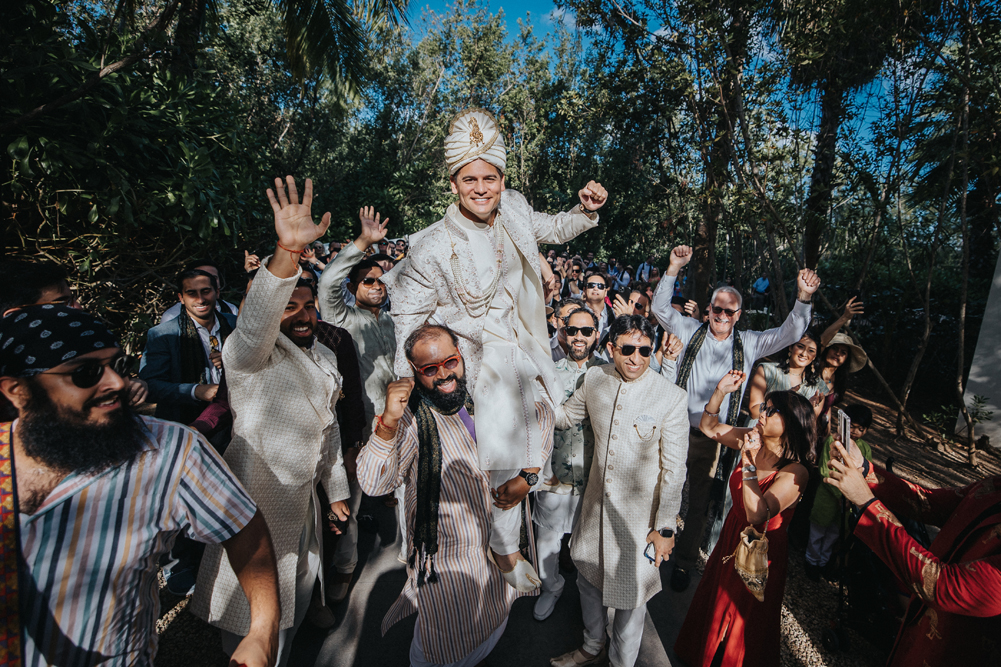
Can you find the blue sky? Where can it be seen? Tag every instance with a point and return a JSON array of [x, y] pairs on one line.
[[539, 10]]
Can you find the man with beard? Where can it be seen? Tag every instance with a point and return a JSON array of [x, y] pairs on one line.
[[374, 337], [100, 495], [559, 342], [477, 270], [428, 437], [627, 516], [556, 506], [710, 351], [283, 387], [182, 362]]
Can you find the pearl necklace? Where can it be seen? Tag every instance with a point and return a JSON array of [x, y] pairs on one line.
[[476, 305]]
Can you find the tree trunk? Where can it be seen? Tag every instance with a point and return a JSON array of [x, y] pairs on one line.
[[188, 34], [832, 110], [780, 306], [737, 241]]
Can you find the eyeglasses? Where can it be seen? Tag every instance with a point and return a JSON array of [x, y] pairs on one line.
[[431, 370], [90, 371], [367, 282], [768, 410], [729, 313], [628, 350], [596, 286], [573, 331]]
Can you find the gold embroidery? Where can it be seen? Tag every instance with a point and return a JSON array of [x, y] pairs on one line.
[[925, 504], [475, 135], [933, 632], [888, 516], [929, 576]]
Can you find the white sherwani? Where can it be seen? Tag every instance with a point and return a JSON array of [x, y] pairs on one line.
[[504, 341], [638, 471], [285, 440]]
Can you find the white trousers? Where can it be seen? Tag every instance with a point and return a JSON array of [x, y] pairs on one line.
[[627, 627], [417, 658], [505, 529], [307, 569], [821, 543], [554, 516]]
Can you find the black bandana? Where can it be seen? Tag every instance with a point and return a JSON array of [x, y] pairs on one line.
[[37, 338]]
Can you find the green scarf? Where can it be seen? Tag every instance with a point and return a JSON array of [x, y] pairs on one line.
[[694, 345], [428, 484]]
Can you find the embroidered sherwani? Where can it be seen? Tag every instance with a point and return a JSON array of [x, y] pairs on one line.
[[471, 599], [954, 616], [640, 441], [285, 441], [503, 337]]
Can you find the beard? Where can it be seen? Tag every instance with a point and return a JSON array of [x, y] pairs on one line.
[[62, 439], [450, 402], [580, 356]]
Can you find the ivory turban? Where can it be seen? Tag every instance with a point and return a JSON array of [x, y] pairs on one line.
[[474, 135]]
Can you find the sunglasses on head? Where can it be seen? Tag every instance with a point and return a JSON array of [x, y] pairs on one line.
[[90, 371], [573, 331], [596, 286], [768, 410], [367, 282], [432, 369], [628, 350], [729, 312]]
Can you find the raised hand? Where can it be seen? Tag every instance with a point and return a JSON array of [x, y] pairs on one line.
[[672, 347], [294, 221], [847, 478], [373, 229], [852, 308], [593, 196], [692, 308], [621, 307], [680, 256], [250, 262], [750, 447], [808, 282], [397, 395], [731, 382]]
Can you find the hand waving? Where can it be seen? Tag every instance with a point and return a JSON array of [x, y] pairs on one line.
[[731, 382], [371, 230], [294, 221]]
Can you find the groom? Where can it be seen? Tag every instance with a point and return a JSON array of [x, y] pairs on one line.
[[477, 271]]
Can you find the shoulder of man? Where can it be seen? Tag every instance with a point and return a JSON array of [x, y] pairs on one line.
[[163, 435], [229, 317], [664, 386], [171, 327]]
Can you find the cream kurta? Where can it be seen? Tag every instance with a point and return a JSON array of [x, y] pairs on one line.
[[471, 599], [424, 286], [638, 471], [284, 437]]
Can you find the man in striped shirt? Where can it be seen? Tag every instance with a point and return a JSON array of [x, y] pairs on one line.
[[427, 436], [102, 493]]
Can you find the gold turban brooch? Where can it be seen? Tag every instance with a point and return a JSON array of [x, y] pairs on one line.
[[474, 135]]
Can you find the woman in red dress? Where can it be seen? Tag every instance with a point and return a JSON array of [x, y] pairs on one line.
[[725, 619]]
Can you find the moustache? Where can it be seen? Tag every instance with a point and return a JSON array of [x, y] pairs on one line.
[[445, 380]]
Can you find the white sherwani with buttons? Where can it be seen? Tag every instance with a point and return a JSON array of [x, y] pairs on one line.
[[638, 471], [285, 441]]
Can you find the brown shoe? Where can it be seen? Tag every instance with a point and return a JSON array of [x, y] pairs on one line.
[[577, 659]]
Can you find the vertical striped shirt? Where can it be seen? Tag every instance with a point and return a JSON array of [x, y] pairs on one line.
[[471, 599], [91, 548]]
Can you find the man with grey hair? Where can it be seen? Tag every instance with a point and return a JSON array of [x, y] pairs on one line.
[[711, 350]]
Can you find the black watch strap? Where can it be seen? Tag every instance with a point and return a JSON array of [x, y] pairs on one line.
[[667, 533]]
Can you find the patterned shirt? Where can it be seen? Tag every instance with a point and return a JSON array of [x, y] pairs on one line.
[[573, 448], [91, 548]]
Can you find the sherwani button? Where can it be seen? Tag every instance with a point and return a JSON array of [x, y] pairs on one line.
[[615, 437], [608, 495], [611, 467], [611, 453], [609, 480], [616, 422]]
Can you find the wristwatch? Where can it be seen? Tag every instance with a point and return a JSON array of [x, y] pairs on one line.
[[666, 533], [750, 468], [529, 477]]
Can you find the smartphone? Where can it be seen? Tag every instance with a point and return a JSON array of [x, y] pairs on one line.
[[844, 432]]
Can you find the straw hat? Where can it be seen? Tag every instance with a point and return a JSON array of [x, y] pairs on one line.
[[857, 354]]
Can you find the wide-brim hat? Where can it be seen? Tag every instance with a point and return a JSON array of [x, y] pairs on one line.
[[857, 355]]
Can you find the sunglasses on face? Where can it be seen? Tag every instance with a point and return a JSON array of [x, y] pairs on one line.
[[768, 410], [432, 369], [368, 282], [596, 286], [90, 371], [729, 313], [573, 331], [628, 350]]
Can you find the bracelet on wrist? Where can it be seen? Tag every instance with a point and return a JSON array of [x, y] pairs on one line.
[[379, 424], [705, 409]]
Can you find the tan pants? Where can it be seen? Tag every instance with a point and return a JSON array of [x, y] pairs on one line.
[[703, 455]]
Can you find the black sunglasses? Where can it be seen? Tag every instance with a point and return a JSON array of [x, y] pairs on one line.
[[573, 331], [596, 286], [768, 410], [728, 311], [628, 350], [90, 371], [370, 281]]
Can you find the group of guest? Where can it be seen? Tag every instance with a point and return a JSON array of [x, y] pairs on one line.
[[427, 375]]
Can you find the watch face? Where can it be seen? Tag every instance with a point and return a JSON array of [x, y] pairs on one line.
[[531, 478]]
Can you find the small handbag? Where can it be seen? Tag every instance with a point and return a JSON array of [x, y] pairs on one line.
[[750, 559]]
